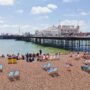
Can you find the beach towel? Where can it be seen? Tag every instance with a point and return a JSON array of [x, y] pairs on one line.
[[1, 67]]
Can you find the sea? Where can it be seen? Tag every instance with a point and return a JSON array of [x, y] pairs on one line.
[[11, 46]]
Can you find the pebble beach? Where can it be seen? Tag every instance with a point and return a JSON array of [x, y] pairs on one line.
[[33, 77]]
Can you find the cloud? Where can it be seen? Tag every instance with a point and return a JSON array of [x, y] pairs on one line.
[[46, 17], [1, 21], [43, 17], [6, 2], [43, 10], [8, 26], [51, 6], [43, 26], [83, 25], [84, 13], [45, 0], [66, 1], [1, 17], [40, 10], [20, 11], [78, 13], [15, 26], [69, 1], [25, 26], [72, 22]]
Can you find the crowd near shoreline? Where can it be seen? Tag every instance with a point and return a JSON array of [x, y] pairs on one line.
[[30, 57], [72, 68]]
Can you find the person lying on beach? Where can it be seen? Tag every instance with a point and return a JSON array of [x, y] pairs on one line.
[[68, 66]]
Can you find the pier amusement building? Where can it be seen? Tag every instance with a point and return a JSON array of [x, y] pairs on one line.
[[57, 31]]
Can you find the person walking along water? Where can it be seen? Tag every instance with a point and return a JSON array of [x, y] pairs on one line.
[[27, 57], [40, 51]]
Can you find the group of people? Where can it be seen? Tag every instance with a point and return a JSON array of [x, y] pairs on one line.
[[17, 57], [86, 55], [30, 57], [41, 57]]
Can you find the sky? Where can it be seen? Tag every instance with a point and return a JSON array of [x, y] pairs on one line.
[[19, 16]]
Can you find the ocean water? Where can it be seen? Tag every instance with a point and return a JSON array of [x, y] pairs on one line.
[[8, 46]]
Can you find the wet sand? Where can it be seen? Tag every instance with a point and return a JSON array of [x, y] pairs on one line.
[[33, 77]]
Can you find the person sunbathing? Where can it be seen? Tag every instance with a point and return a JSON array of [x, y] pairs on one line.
[[68, 66]]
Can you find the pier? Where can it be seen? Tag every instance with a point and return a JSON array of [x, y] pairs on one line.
[[68, 43]]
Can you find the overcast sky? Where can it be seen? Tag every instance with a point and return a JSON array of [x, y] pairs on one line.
[[31, 15]]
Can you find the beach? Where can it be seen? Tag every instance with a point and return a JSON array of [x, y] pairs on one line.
[[33, 77]]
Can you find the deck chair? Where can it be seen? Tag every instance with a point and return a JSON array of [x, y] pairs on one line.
[[17, 74], [9, 61], [11, 75], [86, 68], [47, 66], [53, 71], [87, 62], [1, 67], [14, 61]]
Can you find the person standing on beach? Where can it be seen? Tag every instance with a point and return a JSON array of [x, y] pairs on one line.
[[27, 56], [40, 51], [37, 55], [30, 57]]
